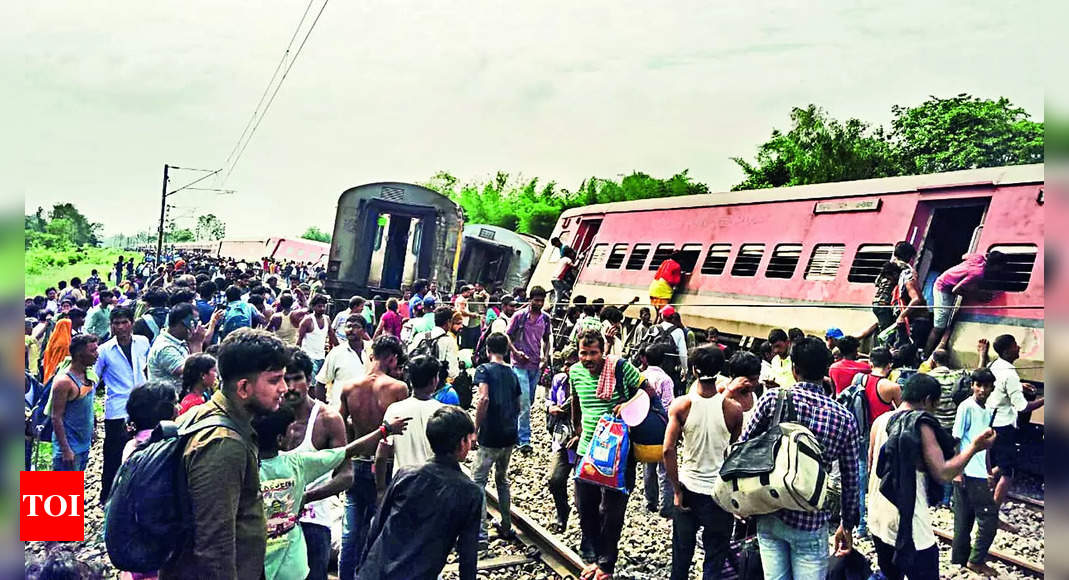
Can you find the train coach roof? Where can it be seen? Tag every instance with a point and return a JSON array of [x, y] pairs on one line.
[[1009, 175]]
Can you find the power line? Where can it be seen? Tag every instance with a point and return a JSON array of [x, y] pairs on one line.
[[270, 83], [281, 80]]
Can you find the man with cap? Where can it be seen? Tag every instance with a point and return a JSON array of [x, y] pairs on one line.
[[672, 324], [426, 321], [832, 336]]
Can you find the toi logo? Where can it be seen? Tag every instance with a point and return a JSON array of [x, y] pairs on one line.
[[51, 506]]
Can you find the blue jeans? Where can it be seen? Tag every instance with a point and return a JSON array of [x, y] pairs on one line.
[[359, 509], [498, 458], [80, 460], [528, 383], [788, 552], [863, 484], [317, 540]]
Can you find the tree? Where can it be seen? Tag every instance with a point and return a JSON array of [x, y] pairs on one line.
[[964, 132], [210, 227], [527, 206], [83, 232], [819, 149], [316, 235], [180, 235]]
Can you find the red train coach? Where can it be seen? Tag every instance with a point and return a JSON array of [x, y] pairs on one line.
[[807, 256]]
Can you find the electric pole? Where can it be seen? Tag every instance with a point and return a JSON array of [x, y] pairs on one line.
[[163, 215], [164, 194]]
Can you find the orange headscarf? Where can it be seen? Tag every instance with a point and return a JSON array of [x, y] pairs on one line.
[[59, 348]]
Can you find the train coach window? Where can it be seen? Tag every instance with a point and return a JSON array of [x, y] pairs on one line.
[[616, 257], [748, 260], [638, 257], [824, 263], [597, 255], [688, 257], [662, 253], [784, 261], [1015, 273], [868, 262], [716, 259]]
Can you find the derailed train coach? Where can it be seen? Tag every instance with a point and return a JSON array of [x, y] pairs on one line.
[[497, 257], [807, 256], [389, 234]]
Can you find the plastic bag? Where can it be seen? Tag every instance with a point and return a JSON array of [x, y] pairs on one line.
[[605, 462]]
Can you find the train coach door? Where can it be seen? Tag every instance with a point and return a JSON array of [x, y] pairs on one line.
[[943, 231], [584, 238]]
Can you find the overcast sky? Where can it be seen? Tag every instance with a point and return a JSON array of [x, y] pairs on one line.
[[100, 94]]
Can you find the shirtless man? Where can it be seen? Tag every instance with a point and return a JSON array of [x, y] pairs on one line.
[[286, 320], [327, 431], [363, 407]]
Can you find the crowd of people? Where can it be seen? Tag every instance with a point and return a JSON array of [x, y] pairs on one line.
[[347, 434]]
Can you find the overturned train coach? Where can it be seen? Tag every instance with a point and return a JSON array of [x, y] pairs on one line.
[[807, 256], [497, 257], [390, 234]]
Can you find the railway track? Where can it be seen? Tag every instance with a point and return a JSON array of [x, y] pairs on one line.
[[540, 544], [1028, 502], [1006, 558]]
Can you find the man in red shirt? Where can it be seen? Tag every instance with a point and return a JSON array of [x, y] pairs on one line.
[[842, 372], [664, 283]]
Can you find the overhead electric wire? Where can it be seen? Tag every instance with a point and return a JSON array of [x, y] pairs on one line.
[[278, 86]]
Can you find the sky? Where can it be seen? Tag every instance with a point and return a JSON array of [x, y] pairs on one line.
[[99, 95]]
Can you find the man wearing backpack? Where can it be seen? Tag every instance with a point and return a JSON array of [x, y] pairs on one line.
[[239, 314], [529, 331], [880, 395], [154, 318], [437, 343], [222, 467], [794, 544], [670, 333]]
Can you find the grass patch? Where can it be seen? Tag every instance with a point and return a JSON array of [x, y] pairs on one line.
[[45, 267]]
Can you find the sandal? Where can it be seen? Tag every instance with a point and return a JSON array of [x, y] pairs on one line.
[[590, 572], [601, 575]]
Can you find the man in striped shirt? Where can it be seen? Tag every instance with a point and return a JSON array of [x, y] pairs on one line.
[[795, 544], [601, 510]]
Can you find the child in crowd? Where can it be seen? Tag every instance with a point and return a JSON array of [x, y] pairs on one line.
[[561, 432], [974, 502], [283, 477], [198, 381]]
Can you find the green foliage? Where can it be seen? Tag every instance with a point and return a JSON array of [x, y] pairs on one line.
[[962, 132], [525, 206], [965, 132], [180, 235], [210, 227], [82, 231], [818, 149], [316, 235], [46, 266]]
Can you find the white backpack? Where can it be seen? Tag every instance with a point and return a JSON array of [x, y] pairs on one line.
[[778, 469]]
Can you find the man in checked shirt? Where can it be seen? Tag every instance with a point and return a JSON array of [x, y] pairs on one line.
[[795, 544]]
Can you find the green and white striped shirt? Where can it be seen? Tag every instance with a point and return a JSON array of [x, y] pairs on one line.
[[585, 386]]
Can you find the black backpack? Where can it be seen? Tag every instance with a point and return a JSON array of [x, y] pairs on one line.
[[963, 390], [148, 516], [854, 399], [659, 335], [428, 346]]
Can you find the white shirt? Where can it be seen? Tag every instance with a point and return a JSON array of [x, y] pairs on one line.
[[338, 326], [1008, 397], [120, 375], [500, 324], [411, 448], [970, 422], [883, 515], [342, 365], [447, 348]]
